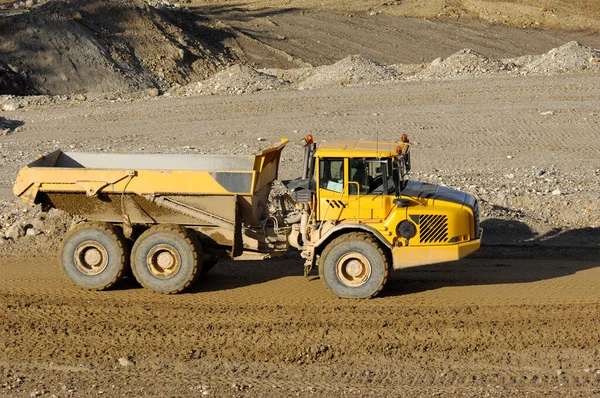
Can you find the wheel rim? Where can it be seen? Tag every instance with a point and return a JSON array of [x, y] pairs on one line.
[[91, 257], [353, 269], [163, 261]]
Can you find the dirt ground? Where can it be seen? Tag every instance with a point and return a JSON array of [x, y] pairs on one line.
[[519, 318], [497, 325], [510, 321]]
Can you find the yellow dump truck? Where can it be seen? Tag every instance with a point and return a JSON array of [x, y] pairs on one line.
[[353, 213]]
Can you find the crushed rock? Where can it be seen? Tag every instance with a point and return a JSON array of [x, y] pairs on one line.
[[237, 79], [151, 47], [571, 57], [16, 222], [13, 81], [164, 4], [464, 63], [355, 69]]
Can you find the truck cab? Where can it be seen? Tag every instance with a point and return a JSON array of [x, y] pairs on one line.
[[367, 217]]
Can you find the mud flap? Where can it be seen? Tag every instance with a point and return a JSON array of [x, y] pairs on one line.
[[238, 242]]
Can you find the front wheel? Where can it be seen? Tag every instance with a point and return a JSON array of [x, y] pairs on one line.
[[166, 259], [354, 266]]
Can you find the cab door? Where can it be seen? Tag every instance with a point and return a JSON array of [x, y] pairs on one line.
[[354, 188], [368, 197], [331, 175]]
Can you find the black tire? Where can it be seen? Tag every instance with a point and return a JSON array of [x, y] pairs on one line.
[[166, 259], [354, 266], [94, 255]]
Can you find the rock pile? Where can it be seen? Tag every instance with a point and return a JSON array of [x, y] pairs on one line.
[[13, 82], [571, 57], [103, 46], [358, 70], [164, 4], [124, 47], [355, 69], [237, 79], [464, 63], [18, 224], [19, 5]]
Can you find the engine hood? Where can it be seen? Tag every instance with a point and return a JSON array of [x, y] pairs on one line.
[[417, 189]]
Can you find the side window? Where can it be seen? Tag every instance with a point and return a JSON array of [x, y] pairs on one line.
[[359, 173], [369, 175], [331, 174]]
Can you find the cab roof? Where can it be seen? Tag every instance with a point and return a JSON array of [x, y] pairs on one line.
[[357, 149]]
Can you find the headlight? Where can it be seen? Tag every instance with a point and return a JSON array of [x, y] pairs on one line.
[[406, 229]]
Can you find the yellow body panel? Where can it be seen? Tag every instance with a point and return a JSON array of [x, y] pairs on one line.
[[412, 256], [43, 175]]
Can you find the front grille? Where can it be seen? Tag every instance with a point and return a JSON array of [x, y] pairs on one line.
[[476, 214], [433, 228]]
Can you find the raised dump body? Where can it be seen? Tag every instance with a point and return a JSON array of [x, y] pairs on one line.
[[216, 194]]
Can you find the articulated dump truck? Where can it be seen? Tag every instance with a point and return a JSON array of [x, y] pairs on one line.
[[353, 213]]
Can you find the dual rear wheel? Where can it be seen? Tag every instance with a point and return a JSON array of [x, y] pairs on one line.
[[165, 258]]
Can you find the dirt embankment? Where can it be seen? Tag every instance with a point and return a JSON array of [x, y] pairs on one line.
[[108, 48], [556, 14], [65, 47]]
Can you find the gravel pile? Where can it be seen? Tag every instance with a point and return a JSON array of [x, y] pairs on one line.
[[25, 230], [355, 69], [12, 82], [164, 4], [571, 57], [237, 79], [465, 63], [19, 5]]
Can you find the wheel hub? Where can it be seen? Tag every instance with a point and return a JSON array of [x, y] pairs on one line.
[[163, 261], [91, 257], [353, 269]]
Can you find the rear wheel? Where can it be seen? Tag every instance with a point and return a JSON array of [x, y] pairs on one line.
[[166, 259], [94, 255], [354, 266]]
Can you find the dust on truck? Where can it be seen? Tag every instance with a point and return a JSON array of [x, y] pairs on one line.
[[353, 213]]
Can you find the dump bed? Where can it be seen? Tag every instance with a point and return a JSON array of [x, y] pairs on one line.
[[152, 188]]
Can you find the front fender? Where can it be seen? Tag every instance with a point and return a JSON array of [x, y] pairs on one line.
[[352, 227]]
